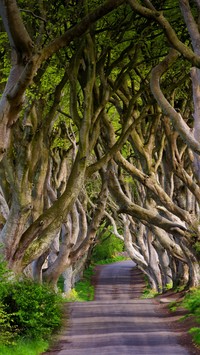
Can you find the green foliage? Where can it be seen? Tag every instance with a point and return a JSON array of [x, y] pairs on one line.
[[93, 187], [4, 56], [5, 276], [34, 309], [4, 272], [7, 331], [27, 309], [169, 286], [60, 143], [173, 306], [51, 77], [195, 332], [72, 296], [148, 293], [62, 128], [107, 247], [192, 302], [178, 288], [84, 288]]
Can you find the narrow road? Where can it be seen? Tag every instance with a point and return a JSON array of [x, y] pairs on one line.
[[118, 322]]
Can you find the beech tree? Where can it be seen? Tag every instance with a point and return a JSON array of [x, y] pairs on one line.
[[172, 220], [155, 216], [31, 222], [107, 97]]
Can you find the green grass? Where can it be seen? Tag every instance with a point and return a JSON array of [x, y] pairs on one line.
[[192, 303], [173, 306], [83, 290], [148, 293], [195, 332], [25, 347]]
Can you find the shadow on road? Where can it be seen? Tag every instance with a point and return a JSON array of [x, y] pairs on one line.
[[118, 321]]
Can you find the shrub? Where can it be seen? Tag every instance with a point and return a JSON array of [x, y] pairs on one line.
[[26, 308], [34, 309], [72, 296], [7, 331], [5, 276]]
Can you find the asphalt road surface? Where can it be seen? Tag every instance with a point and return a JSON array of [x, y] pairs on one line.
[[118, 322]]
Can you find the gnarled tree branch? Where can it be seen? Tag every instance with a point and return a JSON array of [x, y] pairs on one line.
[[178, 122]]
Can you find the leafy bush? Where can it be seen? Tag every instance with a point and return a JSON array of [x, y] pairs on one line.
[[27, 308], [33, 308], [72, 296], [7, 331], [5, 276]]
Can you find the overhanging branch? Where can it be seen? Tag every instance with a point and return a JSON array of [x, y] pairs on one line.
[[178, 122]]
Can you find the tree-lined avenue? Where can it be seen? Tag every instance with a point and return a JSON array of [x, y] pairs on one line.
[[118, 321]]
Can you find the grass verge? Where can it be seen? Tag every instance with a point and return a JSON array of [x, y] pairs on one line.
[[191, 302], [25, 347]]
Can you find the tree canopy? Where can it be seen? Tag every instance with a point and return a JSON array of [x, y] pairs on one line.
[[99, 131]]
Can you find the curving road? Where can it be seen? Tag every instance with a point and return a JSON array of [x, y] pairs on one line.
[[118, 322]]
